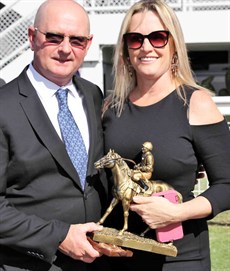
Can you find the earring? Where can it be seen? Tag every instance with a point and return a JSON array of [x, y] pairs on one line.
[[174, 65], [129, 67], [130, 70]]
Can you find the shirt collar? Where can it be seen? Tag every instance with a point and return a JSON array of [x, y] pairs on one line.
[[44, 86]]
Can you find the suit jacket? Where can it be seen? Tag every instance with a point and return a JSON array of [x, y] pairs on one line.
[[40, 191]]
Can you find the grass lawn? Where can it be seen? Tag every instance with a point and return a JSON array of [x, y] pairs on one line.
[[219, 231]]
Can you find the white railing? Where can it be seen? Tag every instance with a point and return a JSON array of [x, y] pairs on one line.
[[14, 40], [115, 6], [119, 6], [207, 4], [223, 104]]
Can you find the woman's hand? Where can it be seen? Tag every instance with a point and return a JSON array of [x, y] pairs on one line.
[[158, 212], [155, 211]]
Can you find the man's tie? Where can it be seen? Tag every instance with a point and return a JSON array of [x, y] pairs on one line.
[[72, 136]]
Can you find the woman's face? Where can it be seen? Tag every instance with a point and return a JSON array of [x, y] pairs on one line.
[[147, 61]]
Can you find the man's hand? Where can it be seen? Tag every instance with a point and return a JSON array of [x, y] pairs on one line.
[[76, 244], [110, 250]]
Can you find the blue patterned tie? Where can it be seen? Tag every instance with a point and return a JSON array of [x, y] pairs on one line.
[[72, 136]]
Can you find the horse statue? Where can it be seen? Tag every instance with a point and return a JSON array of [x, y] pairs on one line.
[[124, 188]]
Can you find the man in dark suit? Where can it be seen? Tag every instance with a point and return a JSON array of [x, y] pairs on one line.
[[45, 213]]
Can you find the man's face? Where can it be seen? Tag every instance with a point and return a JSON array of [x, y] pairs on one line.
[[59, 59]]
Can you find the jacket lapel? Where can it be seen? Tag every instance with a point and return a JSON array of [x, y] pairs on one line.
[[42, 125], [92, 122]]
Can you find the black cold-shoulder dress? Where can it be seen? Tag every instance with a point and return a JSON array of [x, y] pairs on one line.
[[178, 148]]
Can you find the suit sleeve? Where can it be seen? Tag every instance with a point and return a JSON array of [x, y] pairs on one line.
[[28, 234]]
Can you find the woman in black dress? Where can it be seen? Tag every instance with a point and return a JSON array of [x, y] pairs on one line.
[[156, 99]]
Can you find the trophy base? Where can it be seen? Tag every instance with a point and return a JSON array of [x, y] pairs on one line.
[[130, 240]]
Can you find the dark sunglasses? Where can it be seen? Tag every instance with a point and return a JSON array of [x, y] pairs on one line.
[[158, 39], [75, 41]]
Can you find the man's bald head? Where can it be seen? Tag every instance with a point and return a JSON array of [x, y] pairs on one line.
[[59, 8]]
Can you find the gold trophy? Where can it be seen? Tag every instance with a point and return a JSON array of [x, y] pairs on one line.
[[127, 184]]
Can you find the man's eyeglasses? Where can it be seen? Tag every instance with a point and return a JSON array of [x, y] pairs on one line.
[[158, 39], [75, 41]]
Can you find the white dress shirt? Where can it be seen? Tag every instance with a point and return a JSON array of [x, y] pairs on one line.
[[46, 92]]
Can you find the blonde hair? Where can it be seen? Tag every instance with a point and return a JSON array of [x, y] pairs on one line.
[[124, 82]]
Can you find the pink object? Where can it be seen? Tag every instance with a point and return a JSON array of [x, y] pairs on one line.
[[173, 231]]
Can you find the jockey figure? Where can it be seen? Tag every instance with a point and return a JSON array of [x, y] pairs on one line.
[[143, 171]]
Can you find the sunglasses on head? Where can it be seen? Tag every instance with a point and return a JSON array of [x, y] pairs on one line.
[[75, 41], [158, 39]]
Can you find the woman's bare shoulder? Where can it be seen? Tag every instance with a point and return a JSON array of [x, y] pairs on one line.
[[202, 109]]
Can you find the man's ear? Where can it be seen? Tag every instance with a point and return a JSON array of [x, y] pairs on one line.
[[89, 43], [31, 36]]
